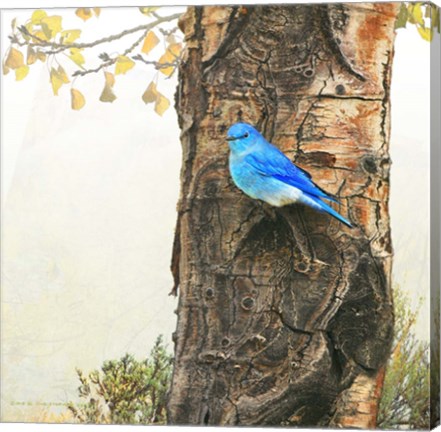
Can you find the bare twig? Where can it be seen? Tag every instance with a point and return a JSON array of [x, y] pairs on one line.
[[112, 60], [57, 47], [158, 65]]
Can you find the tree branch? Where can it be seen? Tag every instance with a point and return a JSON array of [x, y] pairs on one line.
[[113, 60], [57, 47], [156, 64]]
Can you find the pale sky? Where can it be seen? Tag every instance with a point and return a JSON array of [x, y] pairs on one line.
[[89, 210]]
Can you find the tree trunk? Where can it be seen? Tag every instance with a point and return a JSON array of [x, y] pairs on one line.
[[285, 315]]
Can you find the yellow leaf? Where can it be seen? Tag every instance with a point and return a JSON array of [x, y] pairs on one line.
[[21, 72], [31, 56], [169, 57], [41, 56], [166, 70], [428, 12], [76, 56], [435, 17], [63, 75], [13, 24], [415, 13], [58, 77], [150, 41], [40, 35], [45, 33], [97, 11], [151, 94], [107, 94], [51, 25], [162, 104], [56, 81], [175, 49], [148, 10], [69, 36], [37, 16], [426, 33], [30, 28], [77, 99], [5, 69], [123, 64], [170, 39], [15, 59], [84, 13], [110, 78]]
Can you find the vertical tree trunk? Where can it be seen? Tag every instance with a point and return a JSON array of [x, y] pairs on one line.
[[285, 315]]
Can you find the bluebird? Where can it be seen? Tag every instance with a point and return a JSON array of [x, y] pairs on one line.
[[263, 172]]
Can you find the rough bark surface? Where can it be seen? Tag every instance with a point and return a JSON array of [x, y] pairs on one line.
[[285, 315]]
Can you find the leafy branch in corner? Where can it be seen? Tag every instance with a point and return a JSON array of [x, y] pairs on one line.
[[43, 38], [425, 16]]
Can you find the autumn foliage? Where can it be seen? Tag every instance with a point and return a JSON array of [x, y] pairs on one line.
[[42, 38]]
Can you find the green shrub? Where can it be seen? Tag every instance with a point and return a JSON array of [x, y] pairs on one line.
[[405, 400], [126, 391]]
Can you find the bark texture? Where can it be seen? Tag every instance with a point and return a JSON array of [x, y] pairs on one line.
[[285, 315]]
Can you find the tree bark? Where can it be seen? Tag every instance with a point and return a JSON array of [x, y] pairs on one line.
[[285, 315]]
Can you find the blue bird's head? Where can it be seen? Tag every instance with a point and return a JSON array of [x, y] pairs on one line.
[[241, 136]]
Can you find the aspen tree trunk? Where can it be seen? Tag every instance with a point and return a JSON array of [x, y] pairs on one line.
[[285, 315]]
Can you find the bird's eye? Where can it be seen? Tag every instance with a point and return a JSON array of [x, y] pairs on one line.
[[246, 135]]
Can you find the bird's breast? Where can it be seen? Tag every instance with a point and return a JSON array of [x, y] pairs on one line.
[[243, 175], [259, 186]]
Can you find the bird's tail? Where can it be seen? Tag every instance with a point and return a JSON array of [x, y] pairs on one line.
[[321, 206]]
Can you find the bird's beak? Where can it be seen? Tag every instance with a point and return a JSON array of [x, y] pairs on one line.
[[233, 138]]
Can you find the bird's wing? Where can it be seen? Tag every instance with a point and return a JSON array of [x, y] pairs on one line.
[[271, 162]]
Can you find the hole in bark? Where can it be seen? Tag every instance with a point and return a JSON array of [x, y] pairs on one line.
[[301, 266], [207, 417], [225, 342], [340, 89], [370, 165], [217, 112], [211, 189], [298, 69], [247, 303], [308, 73], [209, 293], [207, 357]]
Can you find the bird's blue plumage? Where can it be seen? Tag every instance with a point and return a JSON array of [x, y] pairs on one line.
[[263, 172]]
